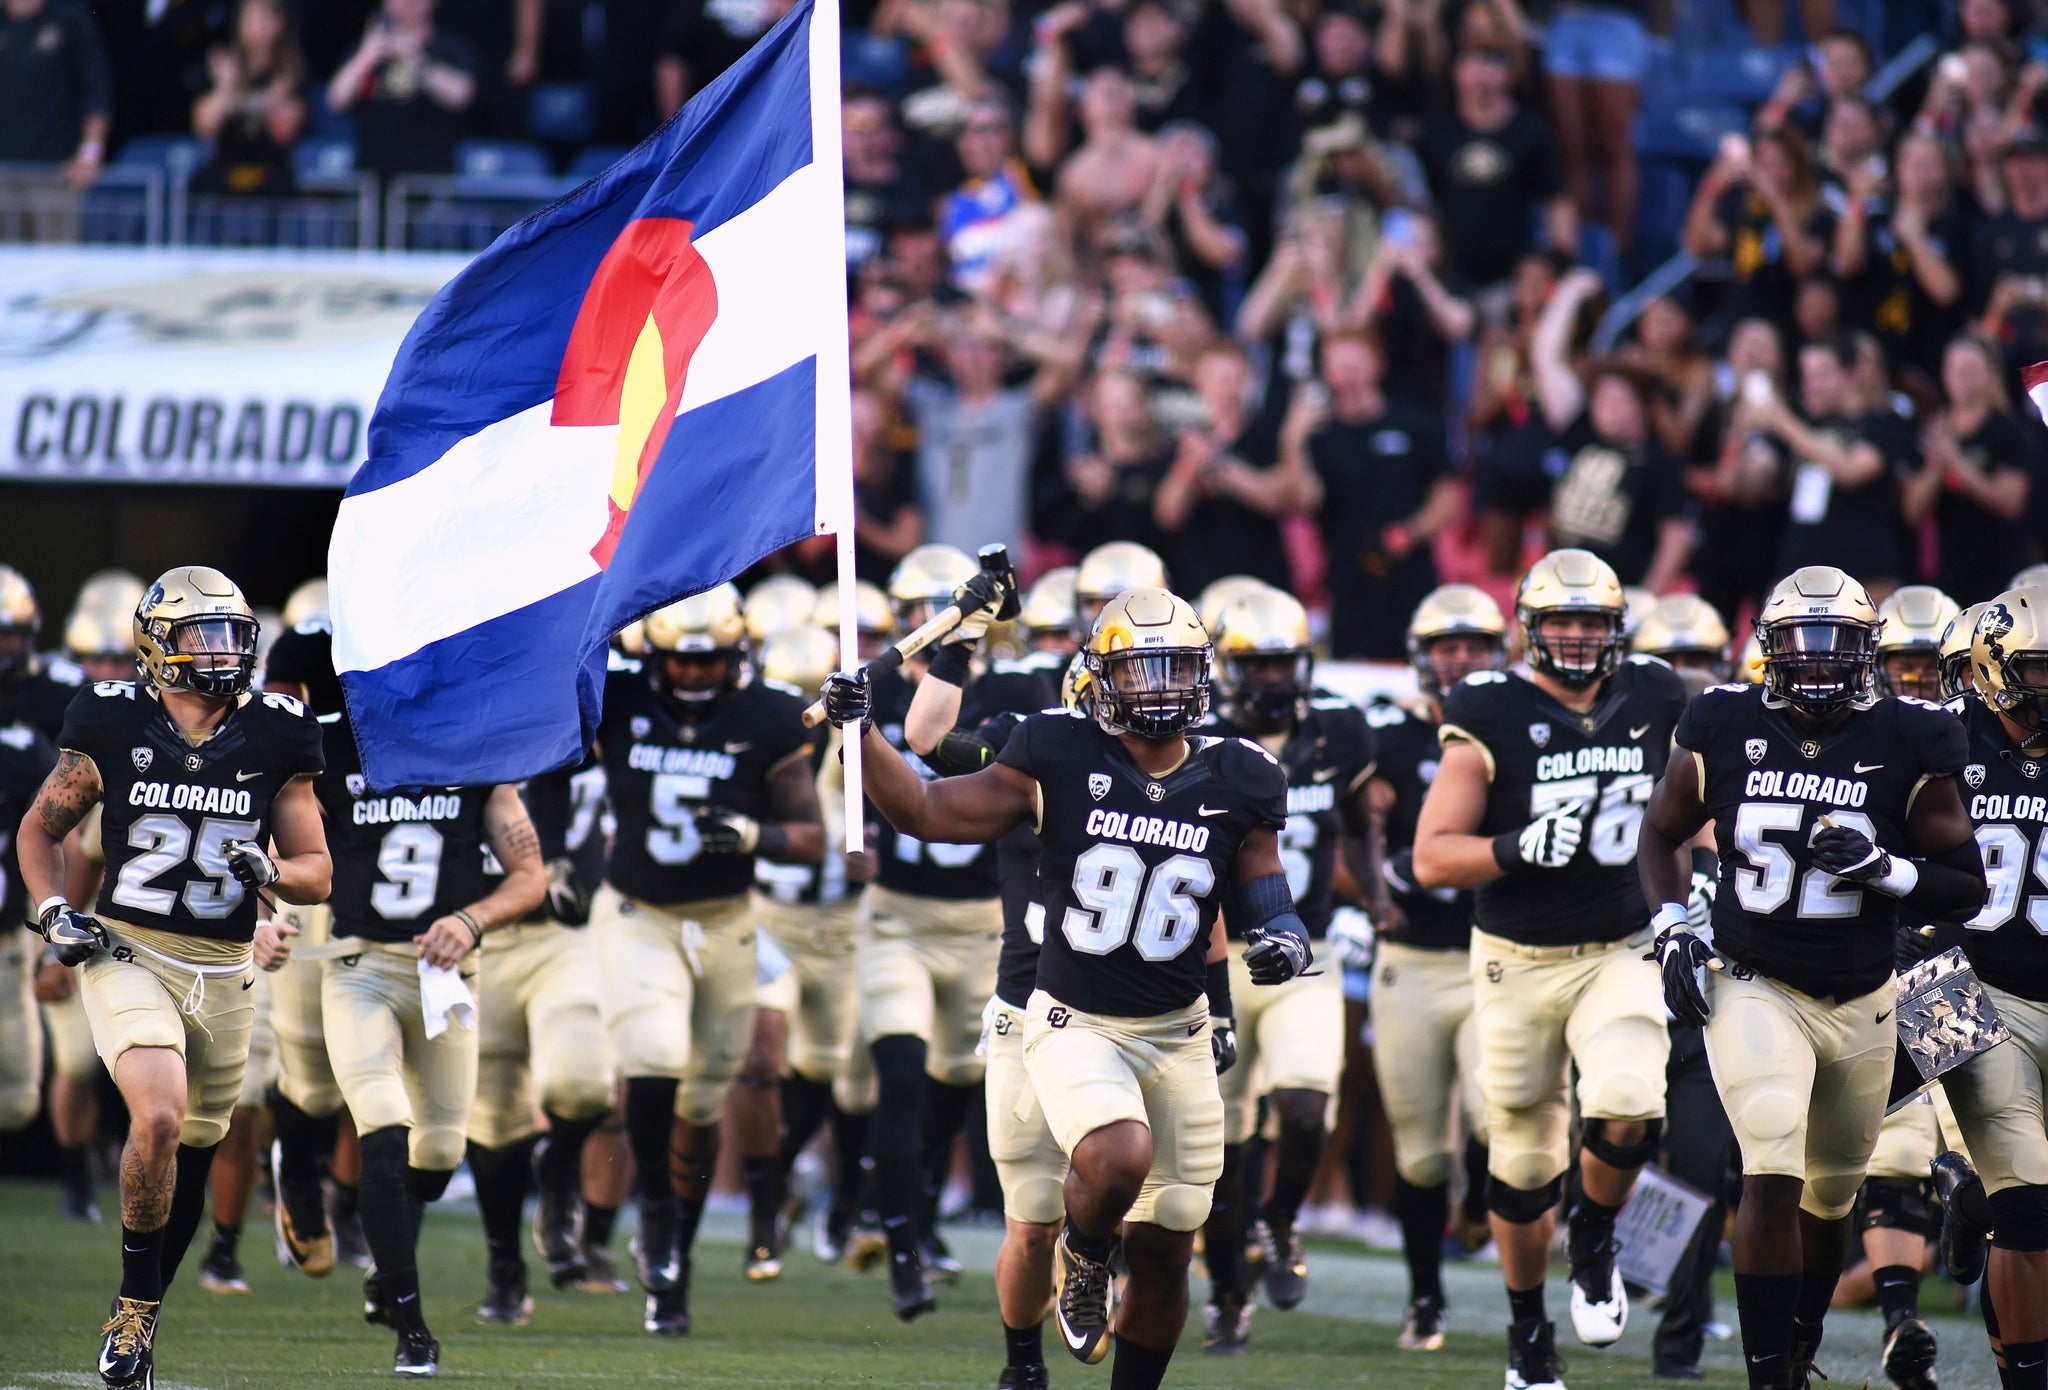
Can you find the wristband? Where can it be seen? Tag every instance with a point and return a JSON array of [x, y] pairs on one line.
[[771, 841], [1669, 917], [51, 904], [476, 932], [952, 663], [1900, 879], [1706, 861], [1507, 850]]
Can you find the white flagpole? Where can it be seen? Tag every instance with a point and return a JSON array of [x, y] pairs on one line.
[[835, 381]]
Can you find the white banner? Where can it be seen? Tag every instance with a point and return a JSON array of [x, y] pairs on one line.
[[198, 366]]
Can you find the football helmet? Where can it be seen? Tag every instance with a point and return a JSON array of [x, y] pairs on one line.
[[110, 591], [1638, 604], [2032, 577], [874, 624], [1048, 612], [308, 603], [1818, 630], [2009, 656], [924, 580], [1571, 582], [1958, 676], [1149, 658], [801, 656], [1210, 603], [195, 632], [1684, 630], [90, 634], [1077, 683], [777, 602], [1749, 667], [1909, 648], [707, 625], [1264, 653], [1107, 571], [631, 640], [1454, 610], [21, 618]]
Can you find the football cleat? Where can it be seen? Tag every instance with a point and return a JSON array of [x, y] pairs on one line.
[[940, 1264], [668, 1312], [304, 1239], [1286, 1268], [869, 1249], [1032, 1377], [1227, 1326], [221, 1271], [418, 1356], [1533, 1362], [1599, 1302], [1258, 1253], [554, 1226], [600, 1272], [909, 1291], [764, 1263], [834, 1231], [1909, 1352], [1082, 1299], [127, 1356], [1422, 1326], [1963, 1242], [505, 1297], [79, 1205], [654, 1249]]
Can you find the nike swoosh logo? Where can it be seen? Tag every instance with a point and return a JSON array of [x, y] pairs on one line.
[[1638, 733], [1071, 1340], [1194, 1028], [1885, 1015], [1322, 774], [247, 776], [1861, 769], [733, 750], [1213, 810]]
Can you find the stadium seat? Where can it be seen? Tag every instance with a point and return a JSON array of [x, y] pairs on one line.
[[1735, 72], [324, 156], [564, 111], [497, 159], [1689, 131], [594, 160], [176, 155]]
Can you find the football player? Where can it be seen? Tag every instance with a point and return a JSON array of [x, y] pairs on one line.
[[26, 757], [928, 932], [1958, 672], [1909, 646], [1048, 617], [776, 604], [33, 690], [1999, 1095], [1425, 1043], [1535, 805], [1290, 1040], [708, 767], [1214, 598], [1686, 634], [1107, 571], [1835, 810], [208, 799], [1143, 831]]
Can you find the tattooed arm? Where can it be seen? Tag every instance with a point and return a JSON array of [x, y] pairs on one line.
[[517, 846], [305, 873], [72, 789]]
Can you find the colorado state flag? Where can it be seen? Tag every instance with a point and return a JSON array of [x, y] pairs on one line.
[[630, 397]]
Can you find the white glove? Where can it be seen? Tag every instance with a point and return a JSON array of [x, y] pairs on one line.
[[1549, 841], [1699, 905], [1353, 938], [989, 1011]]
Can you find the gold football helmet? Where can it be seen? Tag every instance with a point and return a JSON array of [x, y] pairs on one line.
[[1958, 672], [777, 602], [308, 603], [1685, 631], [874, 623], [1149, 656], [1077, 683], [924, 581], [1574, 585], [1749, 667], [195, 632], [21, 618], [2009, 656], [1211, 602], [1107, 571], [801, 656], [1909, 648], [1819, 632], [2032, 577], [685, 638], [1638, 604], [1264, 654], [1462, 611], [1047, 617], [110, 591], [100, 643]]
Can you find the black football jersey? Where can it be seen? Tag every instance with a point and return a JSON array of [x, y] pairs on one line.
[[1017, 882], [26, 757], [566, 808], [402, 859], [1543, 755], [168, 807], [1406, 752], [806, 885], [304, 655], [663, 770], [1767, 781], [41, 698], [906, 864], [1327, 758], [1133, 867], [2006, 795]]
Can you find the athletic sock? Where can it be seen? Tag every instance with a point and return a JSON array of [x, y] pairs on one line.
[[188, 1205], [850, 1150], [650, 1119], [1295, 1156], [2025, 1366], [226, 1238], [1525, 1304], [1810, 1308], [896, 1130], [501, 1175], [1096, 1248], [1223, 1233], [302, 1139], [1898, 1292], [693, 1156], [1763, 1305], [387, 1205], [1025, 1345], [142, 1264], [1138, 1368], [1423, 1213], [764, 1197], [1590, 1225], [560, 1169], [805, 1104], [597, 1225]]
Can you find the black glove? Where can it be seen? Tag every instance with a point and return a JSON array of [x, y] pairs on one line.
[[728, 832], [1681, 956], [1275, 957], [1223, 1044], [248, 862], [1849, 853], [849, 699], [1912, 946], [567, 903], [72, 935]]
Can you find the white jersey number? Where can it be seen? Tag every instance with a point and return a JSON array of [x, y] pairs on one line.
[[1765, 884], [672, 801], [164, 842], [410, 860], [2006, 860], [1120, 903], [1614, 813]]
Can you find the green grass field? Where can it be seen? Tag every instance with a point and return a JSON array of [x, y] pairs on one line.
[[816, 1326]]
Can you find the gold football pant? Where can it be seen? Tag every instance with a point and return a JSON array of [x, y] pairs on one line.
[[1425, 1053], [304, 1075], [1290, 1037], [1029, 1161], [817, 939], [925, 968], [541, 1040], [1998, 1098], [390, 1071], [21, 1031]]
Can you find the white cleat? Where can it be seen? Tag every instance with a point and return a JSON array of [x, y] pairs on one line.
[[1599, 1324]]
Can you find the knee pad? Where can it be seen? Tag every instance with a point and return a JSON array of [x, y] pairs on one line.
[[1830, 1196], [2019, 1218], [1634, 1155], [1519, 1206], [428, 1184], [1179, 1207], [1037, 1201], [1768, 1110], [1431, 1170], [18, 1108], [1899, 1204], [1623, 1097], [198, 1133], [438, 1149]]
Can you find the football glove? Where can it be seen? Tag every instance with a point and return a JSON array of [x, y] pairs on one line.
[[248, 862], [1699, 903], [1352, 937], [1223, 1044], [978, 600], [1848, 853], [567, 902], [73, 936], [728, 832], [1275, 957], [1682, 958], [1549, 841], [849, 699]]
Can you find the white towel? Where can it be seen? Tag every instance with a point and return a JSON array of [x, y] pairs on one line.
[[445, 999]]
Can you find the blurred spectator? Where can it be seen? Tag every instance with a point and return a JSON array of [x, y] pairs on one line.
[[1621, 496], [1403, 298], [1510, 441], [958, 56], [1769, 20], [879, 190], [887, 522], [1816, 308], [410, 86], [1107, 177], [1741, 474], [1978, 477], [2010, 254], [504, 38], [1374, 473], [1219, 503], [1353, 70], [1104, 489], [257, 105], [1492, 171], [1597, 55], [1897, 245], [979, 219], [1852, 144], [56, 100], [1762, 209], [1306, 284], [1155, 35], [1805, 93], [1190, 204], [703, 40], [1683, 376]]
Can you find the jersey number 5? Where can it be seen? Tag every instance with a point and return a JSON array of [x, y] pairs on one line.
[[1117, 895]]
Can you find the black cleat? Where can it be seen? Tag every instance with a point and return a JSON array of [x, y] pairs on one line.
[[668, 1312], [1227, 1326], [221, 1272], [1422, 1326], [1286, 1267], [554, 1226], [764, 1263], [374, 1308], [127, 1355], [1258, 1253], [418, 1356], [940, 1265], [1083, 1302], [1599, 1299], [1963, 1244], [654, 1249], [304, 1239], [1909, 1352], [909, 1291], [600, 1274], [1805, 1346], [79, 1205], [505, 1298], [1533, 1362], [1032, 1377]]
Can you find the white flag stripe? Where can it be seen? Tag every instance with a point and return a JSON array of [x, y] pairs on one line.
[[2039, 396], [504, 519]]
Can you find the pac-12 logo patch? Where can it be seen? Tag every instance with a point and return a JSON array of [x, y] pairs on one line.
[[1539, 734], [142, 758], [1755, 749], [357, 783], [640, 725], [1974, 775], [1098, 785]]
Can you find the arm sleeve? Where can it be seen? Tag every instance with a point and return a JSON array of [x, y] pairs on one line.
[[1951, 885]]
